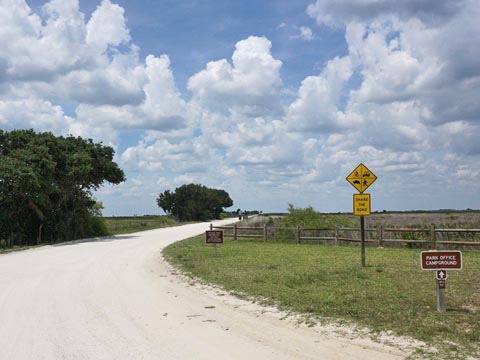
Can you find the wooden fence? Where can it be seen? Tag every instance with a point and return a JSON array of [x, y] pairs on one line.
[[431, 237]]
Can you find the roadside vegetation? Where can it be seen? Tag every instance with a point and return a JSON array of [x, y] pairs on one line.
[[327, 283], [118, 225], [309, 218], [194, 202], [130, 224], [46, 185]]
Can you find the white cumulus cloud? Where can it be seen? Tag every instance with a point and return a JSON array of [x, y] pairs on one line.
[[317, 106], [251, 84], [305, 33], [107, 26]]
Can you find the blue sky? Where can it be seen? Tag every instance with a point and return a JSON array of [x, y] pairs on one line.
[[274, 101]]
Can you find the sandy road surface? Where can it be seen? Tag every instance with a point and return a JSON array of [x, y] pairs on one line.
[[115, 298]]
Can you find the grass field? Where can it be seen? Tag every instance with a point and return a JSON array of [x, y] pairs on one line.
[[327, 282], [125, 225]]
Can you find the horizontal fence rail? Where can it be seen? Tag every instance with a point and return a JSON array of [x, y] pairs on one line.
[[381, 236]]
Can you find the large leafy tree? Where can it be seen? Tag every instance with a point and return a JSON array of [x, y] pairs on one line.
[[46, 183], [194, 202]]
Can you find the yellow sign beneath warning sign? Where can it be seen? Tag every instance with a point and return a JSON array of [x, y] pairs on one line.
[[361, 204], [361, 178]]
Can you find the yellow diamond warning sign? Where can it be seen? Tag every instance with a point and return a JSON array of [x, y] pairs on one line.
[[361, 178]]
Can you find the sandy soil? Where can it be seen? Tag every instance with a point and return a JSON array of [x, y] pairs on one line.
[[115, 298]]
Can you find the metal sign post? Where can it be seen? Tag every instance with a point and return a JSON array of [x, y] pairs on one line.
[[441, 298], [361, 178], [362, 231]]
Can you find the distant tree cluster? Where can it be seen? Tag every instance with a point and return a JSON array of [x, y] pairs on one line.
[[46, 183], [194, 202]]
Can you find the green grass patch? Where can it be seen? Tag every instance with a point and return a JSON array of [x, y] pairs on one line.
[[130, 224], [391, 293]]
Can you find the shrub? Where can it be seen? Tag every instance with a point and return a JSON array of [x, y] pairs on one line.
[[308, 217]]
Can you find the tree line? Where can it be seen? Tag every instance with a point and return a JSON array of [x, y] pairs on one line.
[[46, 185], [193, 202]]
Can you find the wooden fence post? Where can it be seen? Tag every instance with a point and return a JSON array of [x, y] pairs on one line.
[[298, 234], [433, 238], [336, 234], [234, 231], [265, 232], [380, 235]]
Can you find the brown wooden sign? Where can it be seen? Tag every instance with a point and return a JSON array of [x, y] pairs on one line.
[[441, 275], [441, 284], [214, 237], [438, 260]]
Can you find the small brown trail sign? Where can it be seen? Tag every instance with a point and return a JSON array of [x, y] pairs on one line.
[[441, 260], [214, 237], [441, 275]]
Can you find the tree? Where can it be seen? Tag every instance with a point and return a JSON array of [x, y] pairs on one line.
[[166, 201], [46, 183], [194, 202]]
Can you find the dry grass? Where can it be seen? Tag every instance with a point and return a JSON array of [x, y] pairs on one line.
[[447, 219], [470, 219]]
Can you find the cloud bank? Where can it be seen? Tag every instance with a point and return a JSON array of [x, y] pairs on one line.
[[403, 100]]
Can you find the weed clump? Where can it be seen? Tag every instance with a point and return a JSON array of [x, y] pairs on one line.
[[309, 218]]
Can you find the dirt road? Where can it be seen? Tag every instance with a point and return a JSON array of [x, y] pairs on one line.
[[115, 298]]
